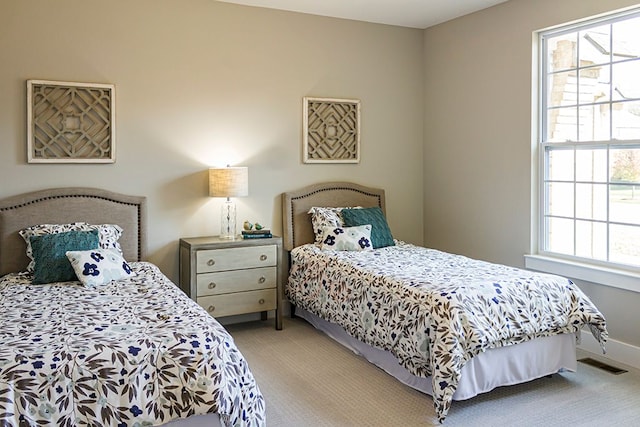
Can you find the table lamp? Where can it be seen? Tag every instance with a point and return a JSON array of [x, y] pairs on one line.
[[228, 182]]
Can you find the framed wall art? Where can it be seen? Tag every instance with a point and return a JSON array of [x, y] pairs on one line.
[[331, 130], [70, 122]]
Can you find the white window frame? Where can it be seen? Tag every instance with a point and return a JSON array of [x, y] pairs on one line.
[[589, 270]]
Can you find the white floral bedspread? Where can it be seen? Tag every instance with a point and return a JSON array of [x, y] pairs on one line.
[[131, 353], [434, 310]]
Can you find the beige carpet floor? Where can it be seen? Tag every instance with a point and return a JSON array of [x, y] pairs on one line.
[[309, 380]]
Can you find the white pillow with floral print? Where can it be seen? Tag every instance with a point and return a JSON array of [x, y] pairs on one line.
[[99, 266], [346, 238], [108, 235]]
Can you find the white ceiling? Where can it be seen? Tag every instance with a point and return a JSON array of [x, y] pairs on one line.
[[405, 13]]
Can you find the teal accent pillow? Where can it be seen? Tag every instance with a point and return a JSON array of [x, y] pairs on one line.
[[49, 254], [380, 232]]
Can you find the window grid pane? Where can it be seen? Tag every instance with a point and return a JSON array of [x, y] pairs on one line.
[[591, 240], [590, 130]]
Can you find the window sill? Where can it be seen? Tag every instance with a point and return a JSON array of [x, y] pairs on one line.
[[603, 276]]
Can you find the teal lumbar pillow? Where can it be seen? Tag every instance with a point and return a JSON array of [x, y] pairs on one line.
[[49, 254]]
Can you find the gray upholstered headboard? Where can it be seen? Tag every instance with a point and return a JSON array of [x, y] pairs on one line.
[[66, 205], [296, 222]]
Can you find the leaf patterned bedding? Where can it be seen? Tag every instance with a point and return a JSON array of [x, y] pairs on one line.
[[434, 310], [130, 353]]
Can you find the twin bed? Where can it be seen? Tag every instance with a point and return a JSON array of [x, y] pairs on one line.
[[131, 351], [447, 325]]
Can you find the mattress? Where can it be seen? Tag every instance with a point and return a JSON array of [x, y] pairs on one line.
[[132, 352]]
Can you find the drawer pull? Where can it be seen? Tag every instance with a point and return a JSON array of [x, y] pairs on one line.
[[261, 301], [211, 308], [262, 279], [212, 285], [210, 262], [263, 257]]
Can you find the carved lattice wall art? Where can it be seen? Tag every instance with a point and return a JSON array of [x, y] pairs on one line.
[[70, 122], [331, 130]]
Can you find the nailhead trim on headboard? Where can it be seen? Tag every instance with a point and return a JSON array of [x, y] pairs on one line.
[[135, 205], [130, 211], [366, 193], [313, 194]]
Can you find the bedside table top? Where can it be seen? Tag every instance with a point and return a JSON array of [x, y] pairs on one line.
[[218, 242]]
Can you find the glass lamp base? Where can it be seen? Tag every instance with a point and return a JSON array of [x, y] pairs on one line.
[[228, 220]]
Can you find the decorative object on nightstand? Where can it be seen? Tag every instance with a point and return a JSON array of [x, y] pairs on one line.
[[262, 233], [259, 233], [228, 182], [230, 277]]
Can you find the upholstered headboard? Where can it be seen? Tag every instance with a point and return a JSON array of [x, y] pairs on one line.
[[66, 205], [296, 222]]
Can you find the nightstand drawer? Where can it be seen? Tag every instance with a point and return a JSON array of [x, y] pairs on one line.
[[224, 282], [239, 303], [234, 258]]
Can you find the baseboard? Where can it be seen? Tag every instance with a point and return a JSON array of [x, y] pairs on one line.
[[617, 351]]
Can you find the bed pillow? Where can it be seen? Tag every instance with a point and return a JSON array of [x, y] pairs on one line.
[[346, 238], [326, 217], [49, 254], [380, 232], [99, 266], [108, 235]]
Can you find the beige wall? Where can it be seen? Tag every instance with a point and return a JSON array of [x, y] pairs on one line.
[[202, 83], [478, 163]]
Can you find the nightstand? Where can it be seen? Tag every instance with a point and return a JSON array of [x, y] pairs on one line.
[[229, 277]]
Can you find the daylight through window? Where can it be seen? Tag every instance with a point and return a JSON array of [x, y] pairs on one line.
[[590, 141]]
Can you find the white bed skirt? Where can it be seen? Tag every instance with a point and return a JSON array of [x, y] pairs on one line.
[[494, 368], [209, 420]]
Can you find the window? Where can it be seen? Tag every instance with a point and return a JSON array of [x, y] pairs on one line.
[[589, 142]]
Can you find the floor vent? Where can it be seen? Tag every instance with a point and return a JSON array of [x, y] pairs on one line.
[[603, 366]]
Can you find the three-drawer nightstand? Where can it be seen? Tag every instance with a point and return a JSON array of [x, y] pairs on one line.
[[229, 277]]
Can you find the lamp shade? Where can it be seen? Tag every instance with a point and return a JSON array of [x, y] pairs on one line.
[[229, 182]]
